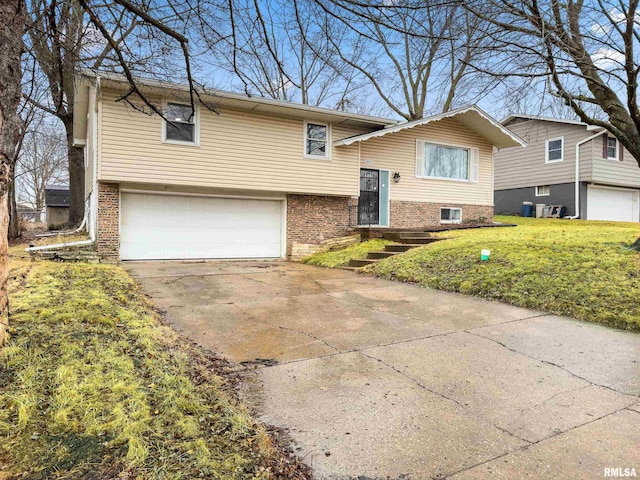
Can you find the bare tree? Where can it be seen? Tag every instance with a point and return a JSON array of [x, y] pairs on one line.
[[277, 50], [13, 15], [61, 39], [14, 22], [42, 160], [585, 51], [414, 54]]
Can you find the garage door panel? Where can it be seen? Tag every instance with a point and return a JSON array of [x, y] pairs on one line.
[[180, 227], [612, 204]]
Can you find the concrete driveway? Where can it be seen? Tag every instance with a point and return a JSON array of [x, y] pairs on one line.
[[376, 379]]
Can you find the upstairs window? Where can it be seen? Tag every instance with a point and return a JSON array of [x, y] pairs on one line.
[[612, 148], [316, 140], [181, 124], [555, 150]]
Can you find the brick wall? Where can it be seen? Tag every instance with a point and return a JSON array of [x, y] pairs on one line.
[[108, 235], [415, 214], [313, 219]]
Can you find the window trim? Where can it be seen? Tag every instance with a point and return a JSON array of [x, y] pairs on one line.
[[546, 150], [196, 126], [449, 222], [327, 155], [617, 156], [537, 191], [469, 149]]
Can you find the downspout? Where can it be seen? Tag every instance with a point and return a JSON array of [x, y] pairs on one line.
[[94, 198], [577, 192], [59, 245]]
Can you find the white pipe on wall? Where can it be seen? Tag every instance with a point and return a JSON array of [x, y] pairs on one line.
[[577, 192]]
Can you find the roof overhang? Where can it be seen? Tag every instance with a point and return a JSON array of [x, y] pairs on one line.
[[567, 121], [236, 101], [80, 111], [471, 117]]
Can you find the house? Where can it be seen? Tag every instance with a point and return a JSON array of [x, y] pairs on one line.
[[56, 202], [250, 177], [570, 163]]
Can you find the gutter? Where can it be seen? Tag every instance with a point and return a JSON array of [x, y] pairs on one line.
[[577, 189]]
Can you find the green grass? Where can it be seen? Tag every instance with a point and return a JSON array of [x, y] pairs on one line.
[[91, 384], [340, 258], [582, 269]]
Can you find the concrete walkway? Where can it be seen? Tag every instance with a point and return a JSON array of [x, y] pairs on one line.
[[376, 379]]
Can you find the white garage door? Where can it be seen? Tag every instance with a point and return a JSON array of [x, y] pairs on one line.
[[156, 227], [612, 204]]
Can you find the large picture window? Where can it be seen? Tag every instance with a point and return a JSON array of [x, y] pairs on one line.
[[447, 162], [442, 161]]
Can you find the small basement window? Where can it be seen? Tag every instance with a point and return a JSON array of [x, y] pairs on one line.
[[182, 128], [450, 215], [543, 191], [316, 140]]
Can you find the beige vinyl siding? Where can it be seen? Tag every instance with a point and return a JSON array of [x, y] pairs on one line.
[[397, 152], [525, 167], [237, 150], [613, 172]]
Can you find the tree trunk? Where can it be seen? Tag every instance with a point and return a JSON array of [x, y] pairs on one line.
[[76, 176], [13, 16], [14, 220]]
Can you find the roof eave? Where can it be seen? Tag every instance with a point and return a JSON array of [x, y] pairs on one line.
[[513, 139], [255, 100]]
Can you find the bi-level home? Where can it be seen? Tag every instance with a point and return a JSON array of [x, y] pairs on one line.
[[249, 177], [569, 163]]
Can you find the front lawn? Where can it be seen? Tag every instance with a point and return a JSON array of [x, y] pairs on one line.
[[93, 386], [582, 269]]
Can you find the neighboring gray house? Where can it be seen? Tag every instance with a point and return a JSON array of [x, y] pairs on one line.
[[603, 179], [56, 201]]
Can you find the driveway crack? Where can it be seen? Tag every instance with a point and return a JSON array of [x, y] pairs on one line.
[[439, 394], [548, 362], [532, 444]]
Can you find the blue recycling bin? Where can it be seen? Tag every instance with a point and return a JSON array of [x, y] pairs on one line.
[[527, 209]]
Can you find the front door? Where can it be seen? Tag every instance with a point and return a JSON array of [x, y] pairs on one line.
[[369, 202]]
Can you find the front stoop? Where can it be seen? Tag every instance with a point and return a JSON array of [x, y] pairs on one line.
[[406, 240]]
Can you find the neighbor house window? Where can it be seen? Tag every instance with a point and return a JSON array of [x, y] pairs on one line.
[[543, 191], [316, 140], [612, 148], [180, 123], [442, 161], [555, 150], [450, 215]]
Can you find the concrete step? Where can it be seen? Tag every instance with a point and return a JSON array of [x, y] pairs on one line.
[[396, 235], [381, 255], [414, 235], [419, 240], [401, 247], [351, 269], [361, 262]]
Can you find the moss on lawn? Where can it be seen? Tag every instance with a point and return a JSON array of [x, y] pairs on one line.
[[92, 386], [582, 269], [340, 258]]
